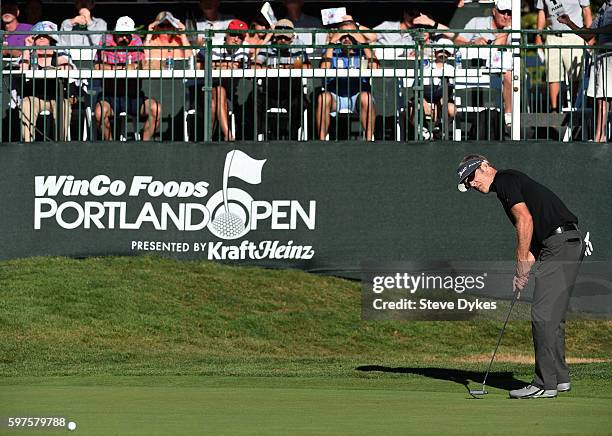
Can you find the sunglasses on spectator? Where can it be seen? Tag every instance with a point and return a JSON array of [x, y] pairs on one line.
[[507, 13]]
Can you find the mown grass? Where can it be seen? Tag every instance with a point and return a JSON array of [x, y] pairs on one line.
[[155, 316]]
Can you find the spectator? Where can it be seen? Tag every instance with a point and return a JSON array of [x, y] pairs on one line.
[[286, 93], [411, 18], [600, 78], [83, 22], [479, 32], [10, 24], [301, 20], [155, 58], [124, 95], [343, 93], [212, 19], [565, 62], [33, 11], [228, 58], [42, 94], [433, 93], [259, 38]]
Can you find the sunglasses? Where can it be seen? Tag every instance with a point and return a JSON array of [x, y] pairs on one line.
[[507, 13], [469, 179]]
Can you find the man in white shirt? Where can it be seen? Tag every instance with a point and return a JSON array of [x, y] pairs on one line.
[[411, 18], [479, 32], [212, 19], [562, 63]]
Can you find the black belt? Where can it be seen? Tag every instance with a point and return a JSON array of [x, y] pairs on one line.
[[564, 228]]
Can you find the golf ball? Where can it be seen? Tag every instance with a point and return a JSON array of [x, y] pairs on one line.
[[72, 425]]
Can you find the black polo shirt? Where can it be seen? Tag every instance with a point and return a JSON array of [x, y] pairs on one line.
[[547, 210]]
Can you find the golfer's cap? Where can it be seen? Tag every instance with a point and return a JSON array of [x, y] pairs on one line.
[[237, 25], [167, 17], [45, 28], [464, 171], [503, 5], [125, 24]]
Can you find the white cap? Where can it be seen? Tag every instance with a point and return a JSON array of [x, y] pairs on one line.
[[444, 44], [125, 24], [503, 5]]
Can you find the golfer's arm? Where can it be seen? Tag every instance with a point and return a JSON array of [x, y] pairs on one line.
[[524, 230]]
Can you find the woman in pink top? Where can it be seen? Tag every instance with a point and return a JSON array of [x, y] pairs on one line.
[[158, 46]]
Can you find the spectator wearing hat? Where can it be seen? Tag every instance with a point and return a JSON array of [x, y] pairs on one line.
[[124, 51], [120, 50], [159, 45], [284, 51], [562, 63], [11, 25], [479, 32], [227, 58], [212, 19], [347, 93], [42, 94], [76, 27]]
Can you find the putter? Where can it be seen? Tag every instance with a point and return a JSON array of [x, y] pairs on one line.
[[483, 391]]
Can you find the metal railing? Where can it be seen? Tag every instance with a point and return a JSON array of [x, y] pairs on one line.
[[422, 90]]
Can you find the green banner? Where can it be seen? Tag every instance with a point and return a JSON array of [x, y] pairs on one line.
[[321, 207]]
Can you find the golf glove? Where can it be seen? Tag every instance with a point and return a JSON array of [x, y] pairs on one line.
[[588, 250]]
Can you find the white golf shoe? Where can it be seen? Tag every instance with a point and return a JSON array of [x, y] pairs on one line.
[[564, 387], [531, 391]]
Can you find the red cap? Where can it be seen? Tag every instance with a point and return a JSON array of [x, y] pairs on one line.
[[237, 25]]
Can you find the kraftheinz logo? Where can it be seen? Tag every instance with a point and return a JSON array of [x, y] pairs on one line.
[[229, 214]]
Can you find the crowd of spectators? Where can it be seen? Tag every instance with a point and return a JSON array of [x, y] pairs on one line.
[[265, 44]]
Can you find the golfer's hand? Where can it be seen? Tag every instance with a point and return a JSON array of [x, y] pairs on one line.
[[518, 284], [588, 250]]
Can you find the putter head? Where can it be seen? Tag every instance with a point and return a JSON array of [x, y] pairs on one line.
[[475, 392]]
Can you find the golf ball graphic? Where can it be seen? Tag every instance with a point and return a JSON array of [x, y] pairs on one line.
[[72, 426], [228, 225], [230, 219]]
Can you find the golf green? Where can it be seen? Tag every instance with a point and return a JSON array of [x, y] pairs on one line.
[[412, 404]]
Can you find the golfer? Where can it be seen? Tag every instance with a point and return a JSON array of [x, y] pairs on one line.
[[546, 230]]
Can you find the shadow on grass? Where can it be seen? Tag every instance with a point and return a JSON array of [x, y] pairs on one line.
[[500, 380]]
